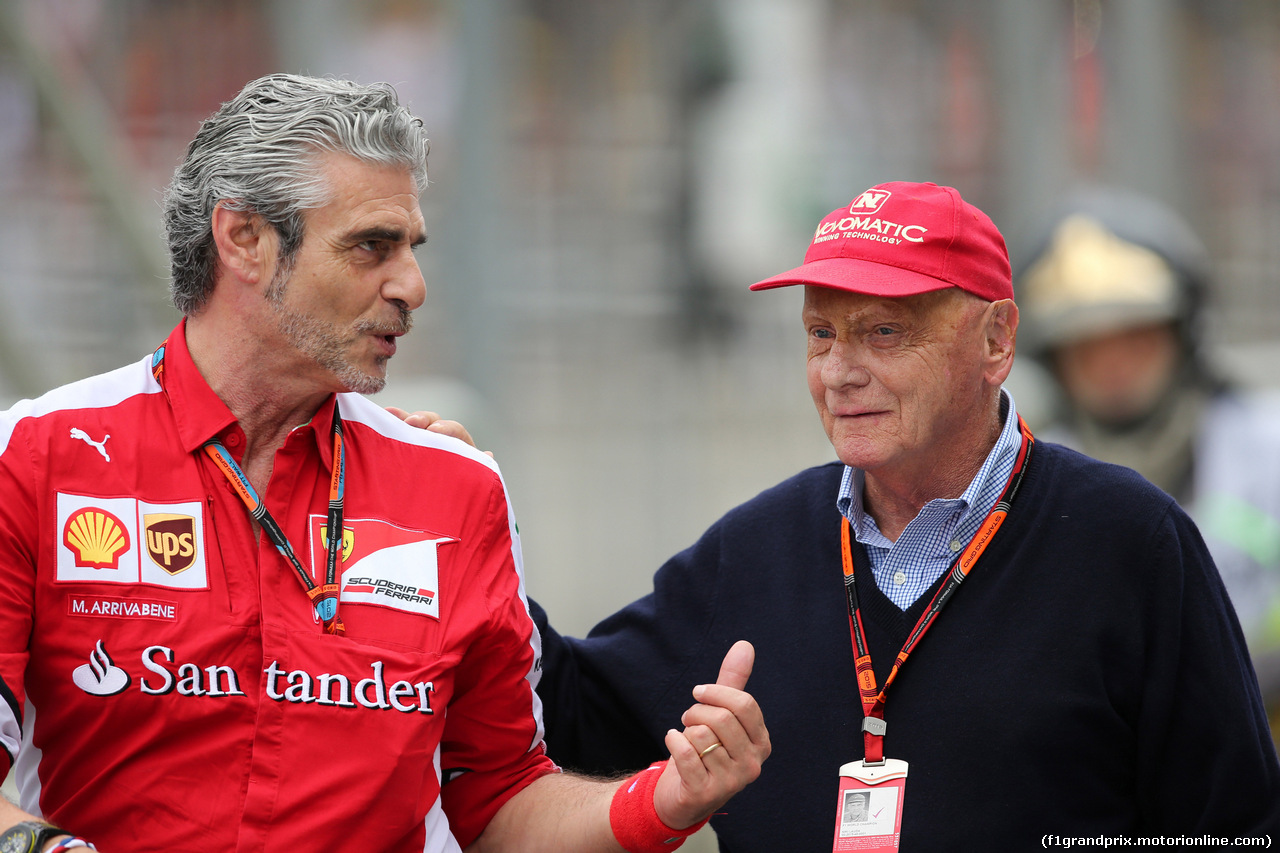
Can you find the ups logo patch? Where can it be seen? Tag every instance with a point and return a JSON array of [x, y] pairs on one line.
[[171, 540]]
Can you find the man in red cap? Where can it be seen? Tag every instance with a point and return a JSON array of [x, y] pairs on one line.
[[953, 612]]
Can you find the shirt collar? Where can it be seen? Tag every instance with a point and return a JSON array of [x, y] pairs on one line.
[[1001, 458], [201, 415], [999, 462], [198, 412]]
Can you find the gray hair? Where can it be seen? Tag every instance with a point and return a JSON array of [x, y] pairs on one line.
[[259, 153]]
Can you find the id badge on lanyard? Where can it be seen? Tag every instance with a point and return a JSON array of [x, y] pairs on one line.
[[871, 792], [869, 811]]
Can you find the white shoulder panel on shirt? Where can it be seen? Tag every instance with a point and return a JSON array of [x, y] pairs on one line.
[[360, 409], [94, 392]]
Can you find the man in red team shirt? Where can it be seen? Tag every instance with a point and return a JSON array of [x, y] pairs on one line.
[[188, 659]]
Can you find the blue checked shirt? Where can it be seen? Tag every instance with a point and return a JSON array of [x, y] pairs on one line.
[[927, 547]]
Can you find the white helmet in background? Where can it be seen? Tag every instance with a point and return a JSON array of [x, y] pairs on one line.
[[1110, 260]]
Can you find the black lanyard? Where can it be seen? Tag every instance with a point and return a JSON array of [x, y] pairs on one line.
[[873, 698], [325, 596]]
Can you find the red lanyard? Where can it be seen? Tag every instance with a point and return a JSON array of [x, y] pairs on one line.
[[873, 698], [324, 597]]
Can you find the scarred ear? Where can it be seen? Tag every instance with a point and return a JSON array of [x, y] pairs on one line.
[[1002, 338], [246, 244]]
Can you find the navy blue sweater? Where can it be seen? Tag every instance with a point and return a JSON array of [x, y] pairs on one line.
[[1088, 678]]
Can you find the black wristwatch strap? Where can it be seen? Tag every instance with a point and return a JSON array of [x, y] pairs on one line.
[[30, 836]]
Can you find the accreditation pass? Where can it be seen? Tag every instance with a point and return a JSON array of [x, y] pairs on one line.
[[869, 806]]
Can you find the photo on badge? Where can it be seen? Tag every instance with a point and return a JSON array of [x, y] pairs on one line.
[[868, 812]]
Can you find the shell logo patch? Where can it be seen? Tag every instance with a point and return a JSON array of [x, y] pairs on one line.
[[96, 538], [130, 541]]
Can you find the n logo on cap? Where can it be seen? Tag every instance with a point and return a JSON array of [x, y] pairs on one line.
[[870, 201]]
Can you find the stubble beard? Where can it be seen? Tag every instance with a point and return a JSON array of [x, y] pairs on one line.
[[323, 343]]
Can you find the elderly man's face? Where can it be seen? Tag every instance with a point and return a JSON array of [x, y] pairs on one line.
[[899, 383], [355, 279]]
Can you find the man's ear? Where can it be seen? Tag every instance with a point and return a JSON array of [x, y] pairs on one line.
[[246, 244], [1002, 339]]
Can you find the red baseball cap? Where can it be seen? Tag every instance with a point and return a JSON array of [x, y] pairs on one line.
[[901, 238]]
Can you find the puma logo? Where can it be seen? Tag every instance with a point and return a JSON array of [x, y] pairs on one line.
[[76, 432]]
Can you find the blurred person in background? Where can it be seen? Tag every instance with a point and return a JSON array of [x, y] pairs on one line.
[[1112, 301], [1074, 665], [191, 656]]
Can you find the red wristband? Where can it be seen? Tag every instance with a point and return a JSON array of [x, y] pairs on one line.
[[634, 820]]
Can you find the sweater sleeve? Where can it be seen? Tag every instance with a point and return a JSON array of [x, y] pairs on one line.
[[590, 727], [1206, 763], [609, 698]]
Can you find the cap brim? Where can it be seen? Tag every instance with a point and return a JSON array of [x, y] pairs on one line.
[[856, 276]]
